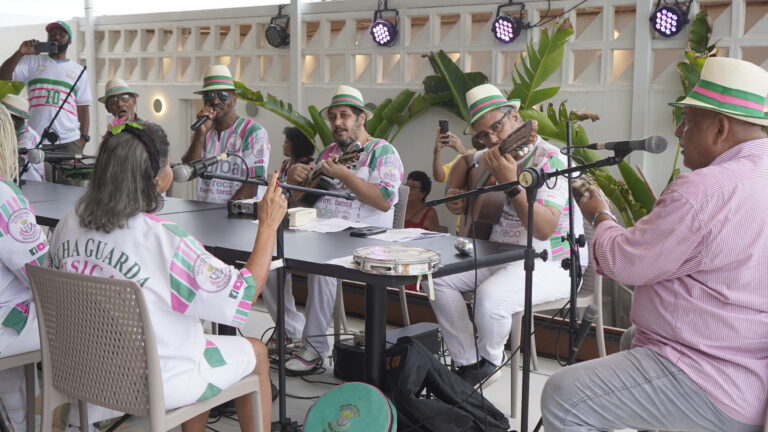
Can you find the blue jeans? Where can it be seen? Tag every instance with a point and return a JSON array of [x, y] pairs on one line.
[[635, 389]]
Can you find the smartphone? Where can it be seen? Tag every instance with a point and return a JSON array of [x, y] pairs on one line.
[[47, 47], [367, 231], [443, 126]]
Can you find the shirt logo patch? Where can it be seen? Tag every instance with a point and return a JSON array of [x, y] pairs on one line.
[[71, 74], [390, 172], [212, 276], [22, 227]]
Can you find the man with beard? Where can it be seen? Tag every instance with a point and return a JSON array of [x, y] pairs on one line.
[[226, 132], [49, 78], [120, 102], [374, 179]]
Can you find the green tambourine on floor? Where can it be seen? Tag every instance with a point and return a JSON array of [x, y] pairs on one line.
[[352, 407]]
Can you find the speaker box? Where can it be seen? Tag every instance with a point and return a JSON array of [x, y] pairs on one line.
[[349, 354]]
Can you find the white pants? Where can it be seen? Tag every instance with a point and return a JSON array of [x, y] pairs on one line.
[[319, 310], [13, 390], [500, 294]]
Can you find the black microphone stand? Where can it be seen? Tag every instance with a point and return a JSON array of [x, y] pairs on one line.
[[532, 179], [49, 134], [283, 424]]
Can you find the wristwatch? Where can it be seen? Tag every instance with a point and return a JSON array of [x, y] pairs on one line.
[[85, 138], [515, 191]]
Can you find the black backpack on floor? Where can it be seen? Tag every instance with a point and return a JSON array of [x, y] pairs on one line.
[[455, 407]]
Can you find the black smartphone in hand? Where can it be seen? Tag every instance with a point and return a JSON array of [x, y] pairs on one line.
[[443, 124], [47, 47]]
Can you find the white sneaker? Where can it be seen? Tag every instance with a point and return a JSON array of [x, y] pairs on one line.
[[303, 361]]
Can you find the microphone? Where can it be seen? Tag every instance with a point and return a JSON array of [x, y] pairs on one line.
[[192, 170], [590, 315], [654, 144], [35, 156], [199, 122]]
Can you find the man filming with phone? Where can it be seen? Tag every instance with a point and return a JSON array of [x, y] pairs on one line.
[[49, 78]]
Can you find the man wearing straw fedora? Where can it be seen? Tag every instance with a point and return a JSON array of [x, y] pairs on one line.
[[374, 179], [699, 356], [120, 101], [226, 132], [26, 137], [49, 78], [500, 289]]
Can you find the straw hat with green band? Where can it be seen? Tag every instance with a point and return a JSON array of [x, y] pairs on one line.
[[61, 24], [217, 77], [16, 105], [346, 95], [485, 98], [736, 88], [115, 87]]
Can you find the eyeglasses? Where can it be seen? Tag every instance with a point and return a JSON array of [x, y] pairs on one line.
[[496, 128], [124, 98], [222, 96]]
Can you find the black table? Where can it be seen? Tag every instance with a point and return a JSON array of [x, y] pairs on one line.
[[232, 237], [309, 252], [52, 201]]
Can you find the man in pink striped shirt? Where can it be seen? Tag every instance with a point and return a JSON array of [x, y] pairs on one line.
[[699, 358]]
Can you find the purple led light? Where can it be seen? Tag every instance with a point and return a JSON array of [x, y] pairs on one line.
[[506, 29], [383, 33], [668, 21]]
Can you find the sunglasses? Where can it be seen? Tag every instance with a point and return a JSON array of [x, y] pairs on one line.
[[222, 96], [124, 98]]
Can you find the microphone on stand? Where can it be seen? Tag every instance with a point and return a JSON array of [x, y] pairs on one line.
[[192, 170], [654, 144], [199, 122], [35, 156], [590, 315]]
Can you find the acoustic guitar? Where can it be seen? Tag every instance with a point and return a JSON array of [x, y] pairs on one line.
[[485, 210], [316, 179]]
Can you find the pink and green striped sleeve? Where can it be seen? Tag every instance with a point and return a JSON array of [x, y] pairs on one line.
[[22, 241], [386, 169], [201, 285]]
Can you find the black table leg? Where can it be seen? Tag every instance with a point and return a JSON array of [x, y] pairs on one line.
[[375, 333]]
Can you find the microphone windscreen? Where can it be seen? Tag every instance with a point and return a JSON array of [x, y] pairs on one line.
[[590, 313], [35, 156], [181, 173], [656, 144]]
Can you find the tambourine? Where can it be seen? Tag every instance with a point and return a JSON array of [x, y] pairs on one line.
[[397, 260]]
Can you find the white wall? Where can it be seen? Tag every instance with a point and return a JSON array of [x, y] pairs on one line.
[[613, 66]]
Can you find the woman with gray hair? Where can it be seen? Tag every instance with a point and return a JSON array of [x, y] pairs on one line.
[[21, 242], [113, 233]]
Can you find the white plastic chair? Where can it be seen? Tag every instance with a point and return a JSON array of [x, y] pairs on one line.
[[28, 360], [339, 314], [98, 347]]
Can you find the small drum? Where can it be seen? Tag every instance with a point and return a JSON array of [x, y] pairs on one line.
[[396, 260]]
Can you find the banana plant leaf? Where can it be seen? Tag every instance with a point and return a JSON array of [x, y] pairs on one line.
[[321, 126], [699, 50], [538, 65], [278, 107], [10, 87], [454, 80]]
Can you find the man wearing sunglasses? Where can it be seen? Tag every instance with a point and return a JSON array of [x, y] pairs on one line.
[[243, 139], [120, 101], [500, 289]]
